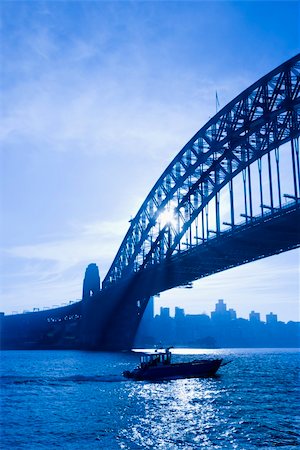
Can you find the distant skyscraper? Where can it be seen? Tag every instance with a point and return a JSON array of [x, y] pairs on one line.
[[254, 317], [221, 311], [232, 313], [164, 313], [271, 318], [179, 313], [221, 307]]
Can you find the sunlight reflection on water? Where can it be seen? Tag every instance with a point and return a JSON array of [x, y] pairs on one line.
[[180, 413], [245, 409]]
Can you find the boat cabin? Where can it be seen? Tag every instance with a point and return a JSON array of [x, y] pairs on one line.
[[157, 358]]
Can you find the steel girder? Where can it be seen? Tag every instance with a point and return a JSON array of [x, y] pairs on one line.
[[262, 118]]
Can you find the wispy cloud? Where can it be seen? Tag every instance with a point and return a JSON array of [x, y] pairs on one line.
[[53, 270], [87, 93], [84, 244]]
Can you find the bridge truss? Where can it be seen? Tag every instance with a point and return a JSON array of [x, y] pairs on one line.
[[182, 210]]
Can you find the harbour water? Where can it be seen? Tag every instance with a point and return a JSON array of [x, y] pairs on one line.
[[79, 400]]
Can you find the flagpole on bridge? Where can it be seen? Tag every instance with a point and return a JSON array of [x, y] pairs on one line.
[[217, 102]]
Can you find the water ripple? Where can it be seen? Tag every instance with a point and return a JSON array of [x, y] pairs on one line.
[[78, 400]]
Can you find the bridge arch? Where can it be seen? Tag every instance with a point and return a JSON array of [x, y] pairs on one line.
[[258, 121], [163, 247]]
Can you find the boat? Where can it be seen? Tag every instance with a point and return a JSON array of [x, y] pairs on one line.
[[158, 366]]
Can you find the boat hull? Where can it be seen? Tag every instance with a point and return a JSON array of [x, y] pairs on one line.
[[194, 369]]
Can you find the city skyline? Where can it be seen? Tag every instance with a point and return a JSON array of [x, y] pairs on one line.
[[98, 97], [252, 315], [220, 329]]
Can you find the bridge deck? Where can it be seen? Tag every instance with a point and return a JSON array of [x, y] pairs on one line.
[[264, 236]]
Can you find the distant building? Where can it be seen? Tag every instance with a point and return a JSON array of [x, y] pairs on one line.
[[221, 312], [254, 317], [164, 313], [271, 318], [164, 325], [179, 313], [221, 307], [232, 314]]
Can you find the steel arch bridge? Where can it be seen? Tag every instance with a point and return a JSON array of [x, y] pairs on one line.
[[226, 199], [178, 234], [174, 217]]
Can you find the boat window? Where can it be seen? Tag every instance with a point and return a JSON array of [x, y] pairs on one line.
[[163, 358]]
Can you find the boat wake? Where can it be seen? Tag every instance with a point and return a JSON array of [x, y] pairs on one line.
[[19, 380]]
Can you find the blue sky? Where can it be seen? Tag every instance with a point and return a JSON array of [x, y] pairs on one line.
[[97, 98]]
